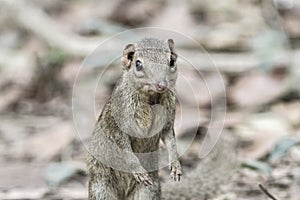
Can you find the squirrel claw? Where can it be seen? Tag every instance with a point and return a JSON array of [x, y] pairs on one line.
[[143, 178], [176, 171], [175, 177]]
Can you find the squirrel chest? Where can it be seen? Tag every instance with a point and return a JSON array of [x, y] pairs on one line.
[[151, 117]]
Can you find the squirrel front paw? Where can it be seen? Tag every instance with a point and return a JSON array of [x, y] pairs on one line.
[[143, 178], [175, 169]]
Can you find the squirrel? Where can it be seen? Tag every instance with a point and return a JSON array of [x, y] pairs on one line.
[[123, 159]]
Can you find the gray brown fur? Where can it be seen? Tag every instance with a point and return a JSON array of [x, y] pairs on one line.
[[134, 120]]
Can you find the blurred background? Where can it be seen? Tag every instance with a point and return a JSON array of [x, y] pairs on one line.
[[255, 44]]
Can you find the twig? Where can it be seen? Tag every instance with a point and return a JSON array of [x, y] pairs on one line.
[[266, 192], [35, 20]]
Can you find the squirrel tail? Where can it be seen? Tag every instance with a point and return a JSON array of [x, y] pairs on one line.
[[205, 180]]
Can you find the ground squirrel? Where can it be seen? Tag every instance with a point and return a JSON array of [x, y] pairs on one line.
[[124, 149]]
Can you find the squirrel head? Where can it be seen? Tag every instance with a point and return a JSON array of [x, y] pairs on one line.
[[151, 65]]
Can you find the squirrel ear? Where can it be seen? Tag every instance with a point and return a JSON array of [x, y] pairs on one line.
[[127, 56], [172, 48]]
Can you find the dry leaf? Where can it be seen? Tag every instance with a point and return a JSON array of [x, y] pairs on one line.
[[289, 111], [57, 173], [71, 193], [22, 193], [21, 175], [256, 89], [45, 145], [264, 130]]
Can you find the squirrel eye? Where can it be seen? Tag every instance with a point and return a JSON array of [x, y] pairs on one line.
[[172, 61], [139, 66]]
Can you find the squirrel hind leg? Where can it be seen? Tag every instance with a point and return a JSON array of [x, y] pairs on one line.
[[102, 190], [150, 192]]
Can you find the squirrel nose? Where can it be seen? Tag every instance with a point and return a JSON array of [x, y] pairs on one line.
[[161, 85]]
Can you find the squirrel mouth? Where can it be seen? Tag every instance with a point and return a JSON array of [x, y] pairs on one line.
[[160, 90], [154, 99], [151, 89]]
